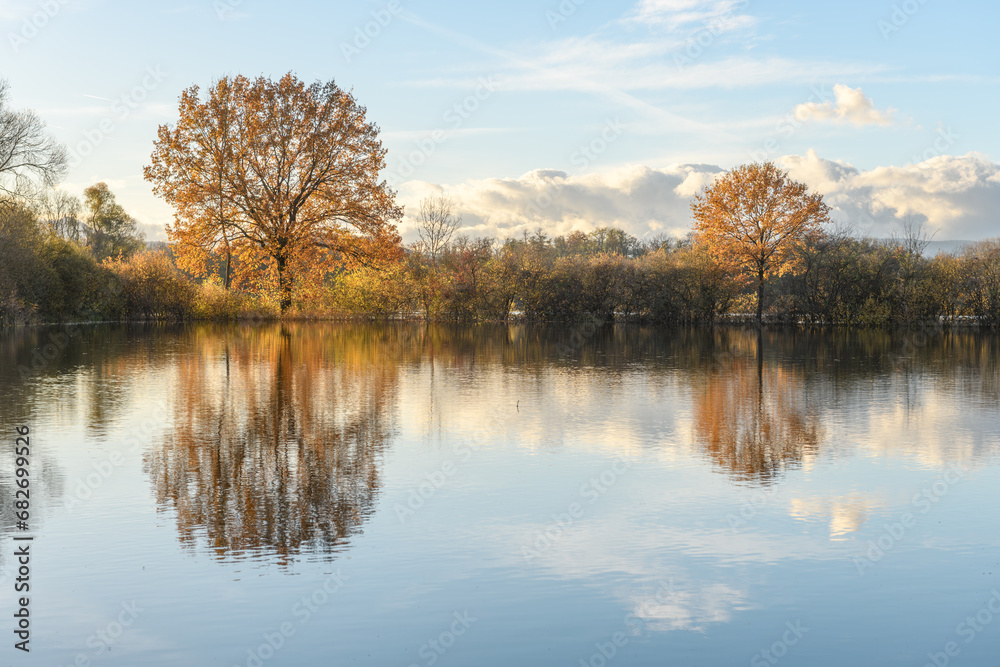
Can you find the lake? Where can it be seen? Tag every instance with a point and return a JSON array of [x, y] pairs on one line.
[[411, 494]]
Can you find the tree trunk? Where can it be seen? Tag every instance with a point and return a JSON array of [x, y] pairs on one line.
[[284, 286], [760, 297], [227, 280]]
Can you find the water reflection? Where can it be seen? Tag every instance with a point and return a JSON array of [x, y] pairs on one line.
[[763, 466], [753, 418], [844, 514], [276, 431], [277, 437]]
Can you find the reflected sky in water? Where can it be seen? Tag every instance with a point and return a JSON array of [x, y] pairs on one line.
[[418, 495]]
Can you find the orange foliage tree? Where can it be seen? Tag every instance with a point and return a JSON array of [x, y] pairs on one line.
[[754, 217], [281, 175]]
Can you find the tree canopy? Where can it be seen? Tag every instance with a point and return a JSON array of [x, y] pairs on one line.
[[283, 175], [111, 231], [754, 216], [28, 155]]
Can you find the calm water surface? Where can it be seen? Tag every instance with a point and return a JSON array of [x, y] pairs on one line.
[[322, 494]]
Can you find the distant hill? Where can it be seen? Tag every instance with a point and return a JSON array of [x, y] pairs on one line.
[[937, 247]]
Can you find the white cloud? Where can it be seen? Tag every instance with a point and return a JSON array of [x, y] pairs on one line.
[[620, 64], [717, 15], [691, 610], [823, 176], [845, 514], [957, 196], [640, 200], [850, 106]]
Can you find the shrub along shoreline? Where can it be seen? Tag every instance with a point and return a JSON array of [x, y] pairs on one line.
[[605, 275]]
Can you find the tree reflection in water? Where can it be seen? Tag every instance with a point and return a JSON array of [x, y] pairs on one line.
[[277, 437], [753, 416], [277, 430]]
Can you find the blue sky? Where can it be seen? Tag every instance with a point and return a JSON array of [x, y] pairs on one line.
[[571, 115]]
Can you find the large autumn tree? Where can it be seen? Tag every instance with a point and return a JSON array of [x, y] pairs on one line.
[[282, 174], [755, 216]]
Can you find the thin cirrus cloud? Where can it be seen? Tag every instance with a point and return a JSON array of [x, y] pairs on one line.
[[613, 57], [15, 10], [850, 105], [596, 70], [589, 64], [733, 72], [441, 135], [955, 196], [674, 14]]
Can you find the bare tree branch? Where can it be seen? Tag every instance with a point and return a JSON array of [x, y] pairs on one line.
[[437, 223], [28, 155]]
